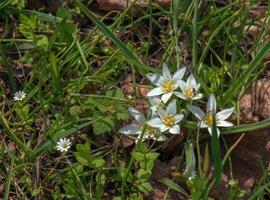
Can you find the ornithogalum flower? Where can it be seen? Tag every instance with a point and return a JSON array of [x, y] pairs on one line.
[[19, 96], [168, 119], [166, 83], [63, 145], [141, 127], [189, 89], [207, 119]]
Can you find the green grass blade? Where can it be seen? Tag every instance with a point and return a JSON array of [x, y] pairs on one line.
[[122, 47], [246, 127], [41, 16], [175, 12], [9, 176], [190, 160], [49, 142], [194, 34], [215, 148], [248, 72], [10, 134], [214, 34], [259, 191]]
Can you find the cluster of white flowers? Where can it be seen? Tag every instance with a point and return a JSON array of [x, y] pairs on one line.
[[165, 116]]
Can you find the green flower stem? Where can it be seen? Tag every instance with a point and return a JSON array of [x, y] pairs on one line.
[[198, 150]]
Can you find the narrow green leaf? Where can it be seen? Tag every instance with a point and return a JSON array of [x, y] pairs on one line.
[[171, 184], [206, 160], [248, 72], [122, 47], [54, 71], [215, 148], [190, 160], [246, 127], [41, 16], [11, 134], [194, 34], [175, 12], [9, 177]]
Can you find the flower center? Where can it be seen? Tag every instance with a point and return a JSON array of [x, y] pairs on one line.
[[209, 120], [168, 120], [188, 92], [168, 86]]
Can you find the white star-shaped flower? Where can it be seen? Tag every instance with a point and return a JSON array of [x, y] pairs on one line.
[[168, 119], [189, 89], [138, 128], [166, 83], [63, 145], [19, 96], [207, 119]]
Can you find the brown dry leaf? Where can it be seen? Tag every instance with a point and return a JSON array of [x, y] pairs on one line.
[[249, 183], [127, 142], [120, 5]]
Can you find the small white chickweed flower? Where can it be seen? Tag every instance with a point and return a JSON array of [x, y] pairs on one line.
[[189, 89], [166, 84], [207, 119], [19, 96], [63, 145], [141, 127], [168, 119]]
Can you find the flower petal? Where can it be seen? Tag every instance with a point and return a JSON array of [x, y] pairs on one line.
[[224, 114], [137, 115], [154, 78], [163, 128], [211, 104], [202, 124], [154, 101], [222, 123], [179, 74], [180, 95], [191, 81], [197, 96], [131, 129], [182, 84], [171, 108], [196, 111], [210, 131], [155, 92], [160, 138], [155, 122], [197, 87], [165, 97], [178, 118], [175, 129], [166, 72], [161, 113]]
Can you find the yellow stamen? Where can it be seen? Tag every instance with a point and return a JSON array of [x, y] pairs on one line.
[[149, 129], [188, 92], [209, 119], [168, 120], [168, 86]]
